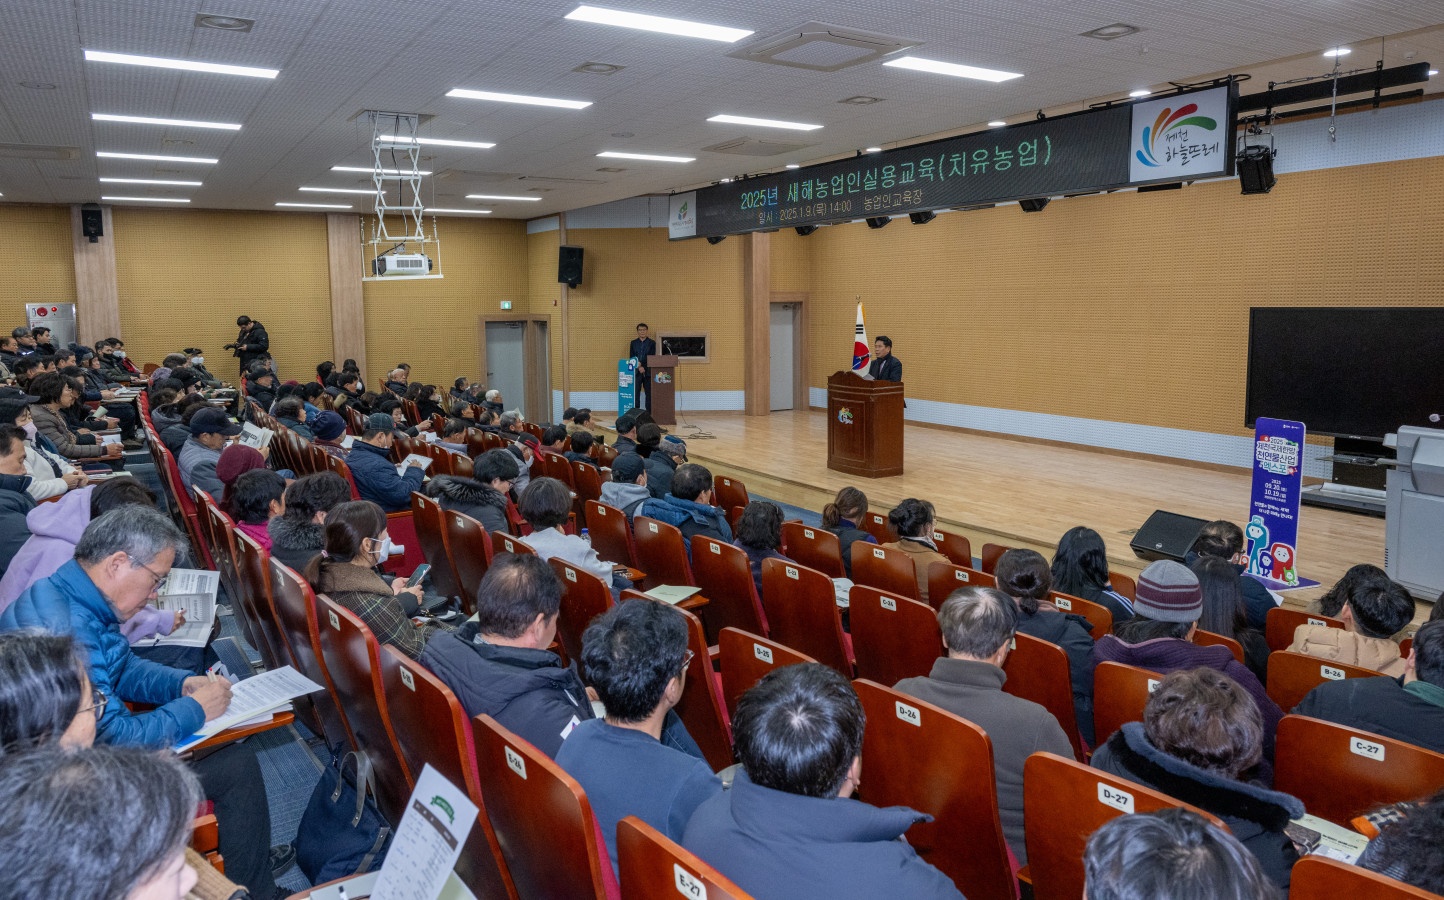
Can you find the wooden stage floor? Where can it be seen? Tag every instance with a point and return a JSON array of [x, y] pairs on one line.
[[1021, 493]]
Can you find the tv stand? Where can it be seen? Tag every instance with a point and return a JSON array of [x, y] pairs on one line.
[[1360, 467]]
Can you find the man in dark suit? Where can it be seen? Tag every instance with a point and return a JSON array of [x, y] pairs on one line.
[[641, 348], [884, 366]]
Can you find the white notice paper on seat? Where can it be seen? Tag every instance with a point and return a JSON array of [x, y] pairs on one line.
[[438, 818], [250, 697], [421, 462]]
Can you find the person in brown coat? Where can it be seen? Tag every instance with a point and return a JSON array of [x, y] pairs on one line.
[[913, 520]]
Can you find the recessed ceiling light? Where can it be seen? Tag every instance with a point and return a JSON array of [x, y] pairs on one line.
[[177, 123], [472, 212], [146, 199], [443, 142], [150, 181], [938, 67], [318, 205], [596, 68], [997, 123], [37, 85], [1111, 32], [860, 100], [1141, 92], [873, 150], [1338, 51], [793, 166], [763, 123], [159, 62], [500, 197], [661, 24], [326, 190], [647, 157], [724, 181], [468, 94], [203, 160], [224, 23], [394, 173]]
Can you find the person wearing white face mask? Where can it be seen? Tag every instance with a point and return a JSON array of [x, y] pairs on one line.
[[197, 363], [373, 470], [50, 473], [357, 542]]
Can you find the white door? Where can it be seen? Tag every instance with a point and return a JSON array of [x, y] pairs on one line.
[[506, 362], [783, 358]]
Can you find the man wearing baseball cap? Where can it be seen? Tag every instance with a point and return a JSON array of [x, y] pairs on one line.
[[202, 450], [373, 471], [1159, 637], [628, 487]]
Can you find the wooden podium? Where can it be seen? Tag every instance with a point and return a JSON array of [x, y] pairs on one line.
[[864, 426], [662, 388]]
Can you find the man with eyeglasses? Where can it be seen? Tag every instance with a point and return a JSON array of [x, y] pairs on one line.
[[635, 656], [121, 562]]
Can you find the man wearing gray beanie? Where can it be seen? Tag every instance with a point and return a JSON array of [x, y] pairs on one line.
[[1159, 638]]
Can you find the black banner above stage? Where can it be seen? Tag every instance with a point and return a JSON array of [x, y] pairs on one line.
[[1181, 137]]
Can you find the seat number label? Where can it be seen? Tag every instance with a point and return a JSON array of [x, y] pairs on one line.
[[1313, 621], [408, 680], [1062, 603], [909, 714], [792, 573], [1367, 749], [571, 576], [762, 653], [889, 603], [1152, 685], [335, 619], [1115, 797], [687, 885], [515, 762], [652, 527], [879, 553], [715, 547], [1331, 673], [960, 575], [807, 533]]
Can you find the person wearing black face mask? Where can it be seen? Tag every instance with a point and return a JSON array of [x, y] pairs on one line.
[[110, 364], [357, 542]]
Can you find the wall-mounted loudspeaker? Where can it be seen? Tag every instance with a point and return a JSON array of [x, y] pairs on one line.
[[1256, 169], [1034, 204], [569, 266], [92, 223], [1166, 535]]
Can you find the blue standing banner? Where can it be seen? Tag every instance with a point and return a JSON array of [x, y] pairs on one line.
[[626, 384], [1278, 478]]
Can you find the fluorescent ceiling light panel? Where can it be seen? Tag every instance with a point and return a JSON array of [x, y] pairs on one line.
[[1141, 92], [997, 123], [151, 120], [468, 94], [648, 157], [440, 142], [365, 170], [662, 24], [474, 212], [1338, 51], [150, 181], [793, 166], [187, 65], [324, 190], [151, 157], [957, 70], [764, 123], [146, 199], [501, 197], [318, 205]]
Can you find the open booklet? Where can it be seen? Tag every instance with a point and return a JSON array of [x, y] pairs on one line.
[[253, 435], [672, 593], [421, 462], [253, 697], [192, 590]]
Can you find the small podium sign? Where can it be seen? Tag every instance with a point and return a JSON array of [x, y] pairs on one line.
[[1278, 477]]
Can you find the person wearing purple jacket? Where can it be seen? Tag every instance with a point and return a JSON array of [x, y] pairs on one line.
[[1159, 637]]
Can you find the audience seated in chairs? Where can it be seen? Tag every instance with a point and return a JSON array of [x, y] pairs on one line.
[[345, 389], [1409, 848], [581, 448], [1080, 569], [1374, 610], [298, 534], [1225, 613], [484, 496], [235, 461], [1160, 634], [1332, 602], [426, 399], [660, 466], [689, 506], [635, 656], [978, 626], [1024, 575], [374, 472], [789, 827], [842, 517], [291, 412], [628, 488], [498, 665], [46, 698], [257, 497], [328, 431], [175, 436], [51, 474], [913, 520], [15, 501], [546, 504], [1172, 853], [356, 543], [580, 422], [759, 534], [1224, 540], [201, 453], [261, 386], [54, 393], [626, 426], [554, 439], [453, 435], [120, 562], [1410, 708], [1201, 734]]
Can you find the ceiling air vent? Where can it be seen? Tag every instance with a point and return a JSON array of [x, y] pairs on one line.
[[822, 48], [746, 146], [38, 151]]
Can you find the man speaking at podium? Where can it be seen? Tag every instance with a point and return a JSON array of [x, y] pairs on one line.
[[643, 347], [884, 366]]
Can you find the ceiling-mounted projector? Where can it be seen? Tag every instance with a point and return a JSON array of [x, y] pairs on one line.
[[400, 264]]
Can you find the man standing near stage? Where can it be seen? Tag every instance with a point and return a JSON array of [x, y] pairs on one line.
[[884, 366], [641, 349]]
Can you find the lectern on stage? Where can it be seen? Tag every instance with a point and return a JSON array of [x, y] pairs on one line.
[[864, 426], [662, 386]]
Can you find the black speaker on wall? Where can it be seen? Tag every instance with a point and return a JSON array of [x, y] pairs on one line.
[[92, 223], [1166, 535], [569, 266], [1255, 166]]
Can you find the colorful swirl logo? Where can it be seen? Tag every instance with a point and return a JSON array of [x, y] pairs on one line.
[[844, 416], [682, 212], [1170, 120]]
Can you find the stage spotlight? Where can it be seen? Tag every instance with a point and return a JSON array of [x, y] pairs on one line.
[[922, 218], [878, 221], [716, 238], [805, 230], [1034, 204]]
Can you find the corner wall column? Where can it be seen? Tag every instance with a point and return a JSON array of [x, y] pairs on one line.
[[97, 298], [757, 322], [348, 311]]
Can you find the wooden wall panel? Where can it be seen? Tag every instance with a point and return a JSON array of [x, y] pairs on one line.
[[345, 268], [97, 306]]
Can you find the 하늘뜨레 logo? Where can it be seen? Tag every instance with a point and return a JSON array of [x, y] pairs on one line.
[[844, 416], [1169, 121]]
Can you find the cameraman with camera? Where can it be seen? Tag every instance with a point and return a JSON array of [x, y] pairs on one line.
[[251, 344]]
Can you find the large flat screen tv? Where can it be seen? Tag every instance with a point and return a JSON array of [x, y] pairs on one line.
[[1346, 371]]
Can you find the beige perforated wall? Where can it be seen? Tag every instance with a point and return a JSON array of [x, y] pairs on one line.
[[183, 276], [1125, 307], [544, 291], [44, 269]]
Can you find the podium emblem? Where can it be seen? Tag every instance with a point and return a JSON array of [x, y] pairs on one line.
[[663, 378], [844, 416]]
